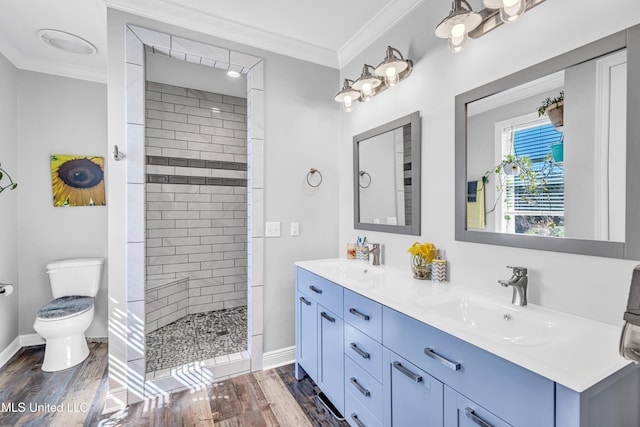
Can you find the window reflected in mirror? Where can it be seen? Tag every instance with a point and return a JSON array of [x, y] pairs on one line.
[[547, 158]]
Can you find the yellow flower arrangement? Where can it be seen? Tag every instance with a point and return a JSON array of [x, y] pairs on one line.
[[422, 255]]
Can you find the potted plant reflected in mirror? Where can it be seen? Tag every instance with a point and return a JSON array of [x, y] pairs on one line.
[[554, 109], [9, 184]]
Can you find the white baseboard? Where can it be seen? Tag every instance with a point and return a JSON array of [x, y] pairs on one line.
[[280, 357], [115, 400], [6, 354], [31, 339]]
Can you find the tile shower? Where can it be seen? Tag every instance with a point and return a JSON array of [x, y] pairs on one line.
[[196, 225]]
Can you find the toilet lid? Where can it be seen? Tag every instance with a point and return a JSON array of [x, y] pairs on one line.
[[65, 307]]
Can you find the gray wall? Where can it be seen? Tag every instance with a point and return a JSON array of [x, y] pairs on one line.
[[557, 280], [9, 201], [57, 115]]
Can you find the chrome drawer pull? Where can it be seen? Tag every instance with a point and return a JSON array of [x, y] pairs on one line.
[[415, 377], [471, 414], [354, 417], [329, 318], [358, 314], [304, 300], [435, 356], [314, 289], [362, 353], [356, 384]]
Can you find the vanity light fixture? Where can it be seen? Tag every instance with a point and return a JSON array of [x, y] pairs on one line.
[[457, 24], [393, 69], [462, 22]]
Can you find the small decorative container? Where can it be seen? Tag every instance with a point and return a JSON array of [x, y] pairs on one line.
[[362, 253], [351, 251], [421, 256], [439, 270], [421, 271]]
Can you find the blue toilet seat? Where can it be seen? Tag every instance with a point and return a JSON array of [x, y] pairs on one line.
[[63, 307]]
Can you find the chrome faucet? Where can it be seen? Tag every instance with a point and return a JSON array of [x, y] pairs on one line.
[[519, 282], [375, 251]]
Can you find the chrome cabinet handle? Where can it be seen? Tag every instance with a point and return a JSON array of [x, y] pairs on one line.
[[362, 353], [314, 289], [329, 318], [415, 377], [356, 313], [355, 418], [356, 384], [471, 414], [446, 362], [304, 300]]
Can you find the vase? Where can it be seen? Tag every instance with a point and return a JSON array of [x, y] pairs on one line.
[[421, 270]]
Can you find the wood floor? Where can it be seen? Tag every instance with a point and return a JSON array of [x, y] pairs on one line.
[[75, 397]]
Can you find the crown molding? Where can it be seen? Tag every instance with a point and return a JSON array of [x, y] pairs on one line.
[[205, 22], [386, 18], [47, 66]]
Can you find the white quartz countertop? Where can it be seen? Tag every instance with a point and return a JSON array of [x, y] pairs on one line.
[[573, 351]]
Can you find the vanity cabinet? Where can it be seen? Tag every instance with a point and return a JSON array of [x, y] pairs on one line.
[[380, 367], [319, 334]]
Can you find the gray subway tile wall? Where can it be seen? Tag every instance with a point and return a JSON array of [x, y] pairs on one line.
[[196, 203]]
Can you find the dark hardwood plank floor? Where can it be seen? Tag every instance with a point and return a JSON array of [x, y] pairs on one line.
[[75, 397]]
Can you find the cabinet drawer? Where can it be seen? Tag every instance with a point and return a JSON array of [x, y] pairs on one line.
[[364, 314], [364, 350], [363, 387], [320, 289], [356, 414], [460, 411], [520, 396]]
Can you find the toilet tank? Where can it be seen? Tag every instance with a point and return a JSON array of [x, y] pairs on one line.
[[79, 276]]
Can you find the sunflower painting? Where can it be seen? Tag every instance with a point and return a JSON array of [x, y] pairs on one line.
[[77, 180]]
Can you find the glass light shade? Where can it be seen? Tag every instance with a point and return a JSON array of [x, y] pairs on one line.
[[347, 94], [461, 18], [348, 104], [457, 44], [512, 10], [367, 81], [392, 65]]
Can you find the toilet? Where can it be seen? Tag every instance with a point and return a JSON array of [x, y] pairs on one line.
[[63, 321]]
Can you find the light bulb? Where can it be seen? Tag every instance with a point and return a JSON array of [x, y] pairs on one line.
[[458, 30], [347, 104], [457, 44], [512, 10], [367, 89], [392, 76]]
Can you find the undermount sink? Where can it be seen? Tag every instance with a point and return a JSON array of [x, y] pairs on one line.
[[529, 325]]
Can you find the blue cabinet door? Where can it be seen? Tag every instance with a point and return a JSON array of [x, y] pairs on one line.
[[331, 361], [307, 336], [412, 397], [462, 412]]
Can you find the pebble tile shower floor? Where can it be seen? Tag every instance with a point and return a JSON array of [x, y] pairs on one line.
[[197, 337]]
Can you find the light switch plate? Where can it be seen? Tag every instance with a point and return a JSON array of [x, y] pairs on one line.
[[272, 229], [295, 229]]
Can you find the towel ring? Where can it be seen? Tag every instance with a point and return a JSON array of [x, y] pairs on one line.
[[363, 173], [312, 172]]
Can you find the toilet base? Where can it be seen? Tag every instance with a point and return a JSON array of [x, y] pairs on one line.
[[63, 353]]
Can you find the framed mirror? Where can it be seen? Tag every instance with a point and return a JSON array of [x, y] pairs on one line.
[[546, 157], [386, 178]]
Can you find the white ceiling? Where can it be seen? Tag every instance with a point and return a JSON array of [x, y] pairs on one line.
[[328, 32]]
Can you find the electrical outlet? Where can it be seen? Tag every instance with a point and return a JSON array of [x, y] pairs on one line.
[[272, 229], [295, 229]]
